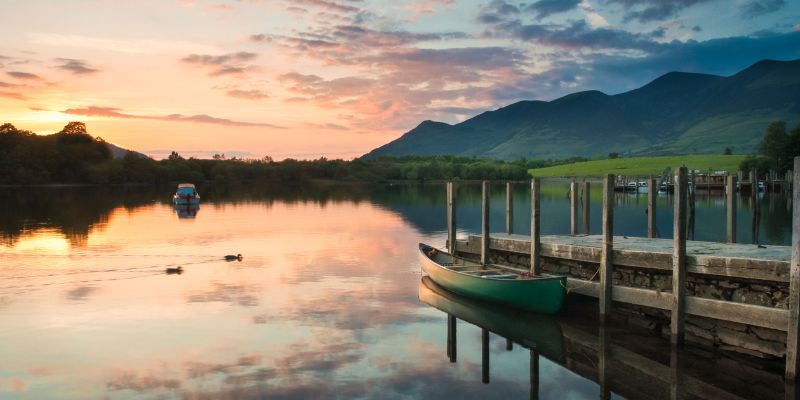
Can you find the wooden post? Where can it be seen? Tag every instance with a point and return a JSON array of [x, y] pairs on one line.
[[485, 224], [451, 217], [730, 192], [586, 204], [534, 371], [451, 338], [573, 208], [652, 191], [509, 344], [509, 209], [740, 175], [792, 360], [485, 355], [679, 259], [754, 204], [603, 362], [606, 251], [536, 267]]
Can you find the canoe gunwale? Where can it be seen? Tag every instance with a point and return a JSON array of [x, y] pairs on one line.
[[423, 247]]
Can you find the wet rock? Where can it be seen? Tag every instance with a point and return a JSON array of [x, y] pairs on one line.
[[769, 334], [743, 295], [751, 342], [700, 332], [728, 284], [761, 288], [708, 291]]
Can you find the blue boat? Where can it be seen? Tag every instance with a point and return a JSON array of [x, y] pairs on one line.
[[186, 194]]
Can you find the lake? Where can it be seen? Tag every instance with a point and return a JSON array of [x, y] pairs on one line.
[[327, 300]]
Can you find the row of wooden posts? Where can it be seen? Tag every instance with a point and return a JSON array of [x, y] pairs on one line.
[[679, 257]]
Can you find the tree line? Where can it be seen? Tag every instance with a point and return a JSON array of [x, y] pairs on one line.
[[74, 156], [776, 151]]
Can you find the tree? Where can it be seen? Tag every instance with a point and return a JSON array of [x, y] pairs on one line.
[[7, 128], [775, 144], [612, 156], [174, 156], [728, 151], [74, 128]]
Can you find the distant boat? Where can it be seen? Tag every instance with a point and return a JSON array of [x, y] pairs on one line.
[[186, 194], [493, 283]]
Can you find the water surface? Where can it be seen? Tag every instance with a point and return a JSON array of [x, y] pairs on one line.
[[325, 303]]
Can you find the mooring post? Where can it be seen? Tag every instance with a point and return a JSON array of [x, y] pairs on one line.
[[485, 224], [586, 193], [536, 267], [573, 208], [792, 360], [451, 217], [679, 259], [485, 355], [754, 204], [603, 362], [652, 191], [606, 251], [451, 338], [730, 193], [509, 344], [534, 371], [509, 209]]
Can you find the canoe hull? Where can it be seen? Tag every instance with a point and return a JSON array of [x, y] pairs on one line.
[[543, 295]]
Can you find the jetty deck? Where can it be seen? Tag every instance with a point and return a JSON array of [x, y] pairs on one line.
[[729, 296]]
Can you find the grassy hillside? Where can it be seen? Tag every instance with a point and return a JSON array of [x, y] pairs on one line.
[[641, 166]]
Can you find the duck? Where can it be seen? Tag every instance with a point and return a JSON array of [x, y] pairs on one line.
[[171, 271], [231, 257]]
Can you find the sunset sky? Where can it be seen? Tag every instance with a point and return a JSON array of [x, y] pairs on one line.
[[310, 78]]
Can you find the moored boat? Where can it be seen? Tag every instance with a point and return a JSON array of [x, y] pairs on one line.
[[493, 283], [186, 194]]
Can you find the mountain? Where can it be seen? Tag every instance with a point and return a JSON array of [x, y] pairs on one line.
[[677, 113]]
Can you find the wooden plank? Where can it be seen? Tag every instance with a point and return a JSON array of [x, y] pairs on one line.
[[536, 234], [586, 207], [485, 223], [509, 209], [677, 321], [765, 317], [793, 328], [652, 192], [573, 208], [730, 194], [451, 217], [607, 248]]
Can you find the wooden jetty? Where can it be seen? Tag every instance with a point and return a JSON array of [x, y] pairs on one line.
[[715, 181], [734, 297]]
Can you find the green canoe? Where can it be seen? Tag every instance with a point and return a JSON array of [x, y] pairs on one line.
[[493, 283], [538, 332]]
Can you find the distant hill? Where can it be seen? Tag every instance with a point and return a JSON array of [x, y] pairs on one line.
[[119, 152], [678, 113]]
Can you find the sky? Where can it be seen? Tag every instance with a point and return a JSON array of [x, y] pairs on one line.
[[337, 78]]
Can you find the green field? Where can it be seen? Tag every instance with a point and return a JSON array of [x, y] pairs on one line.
[[641, 166]]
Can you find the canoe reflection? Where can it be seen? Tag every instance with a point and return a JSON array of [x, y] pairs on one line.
[[618, 360], [187, 210], [538, 332]]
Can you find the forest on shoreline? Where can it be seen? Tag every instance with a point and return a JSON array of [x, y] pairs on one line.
[[73, 156]]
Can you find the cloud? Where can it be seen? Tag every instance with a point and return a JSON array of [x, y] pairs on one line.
[[327, 126], [252, 94], [80, 293], [545, 8], [111, 112], [328, 5], [128, 46], [24, 75], [757, 8], [578, 35], [13, 95], [76, 67], [653, 10], [225, 64]]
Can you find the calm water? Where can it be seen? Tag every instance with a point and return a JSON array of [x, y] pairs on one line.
[[327, 302]]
